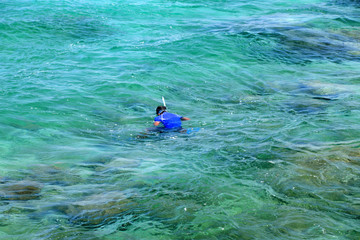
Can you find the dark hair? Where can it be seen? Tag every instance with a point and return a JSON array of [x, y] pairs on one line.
[[160, 109]]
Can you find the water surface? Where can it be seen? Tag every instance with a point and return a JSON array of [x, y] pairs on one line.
[[273, 87]]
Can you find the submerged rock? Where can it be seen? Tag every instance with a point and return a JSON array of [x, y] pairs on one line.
[[329, 89], [294, 40], [173, 208], [60, 232], [316, 96], [26, 126], [22, 190], [307, 106], [324, 91], [98, 210], [2, 180], [123, 163], [53, 175]]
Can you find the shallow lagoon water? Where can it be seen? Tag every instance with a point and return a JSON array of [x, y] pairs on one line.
[[272, 86]]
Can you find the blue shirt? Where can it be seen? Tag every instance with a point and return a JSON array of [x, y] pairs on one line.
[[169, 120]]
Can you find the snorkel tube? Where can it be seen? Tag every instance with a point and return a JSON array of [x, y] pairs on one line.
[[163, 99]]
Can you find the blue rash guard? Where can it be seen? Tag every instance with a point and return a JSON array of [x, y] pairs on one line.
[[169, 120]]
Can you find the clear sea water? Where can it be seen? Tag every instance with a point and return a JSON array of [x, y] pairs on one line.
[[272, 88]]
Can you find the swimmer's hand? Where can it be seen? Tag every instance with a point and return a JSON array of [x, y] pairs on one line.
[[156, 123], [185, 119]]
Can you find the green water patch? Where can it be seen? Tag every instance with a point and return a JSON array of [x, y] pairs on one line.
[[272, 88]]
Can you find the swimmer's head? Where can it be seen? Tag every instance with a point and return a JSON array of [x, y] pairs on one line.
[[160, 110]]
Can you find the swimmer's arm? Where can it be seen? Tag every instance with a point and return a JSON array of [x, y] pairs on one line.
[[156, 123], [184, 119]]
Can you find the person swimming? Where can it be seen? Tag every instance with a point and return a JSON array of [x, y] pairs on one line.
[[169, 120], [171, 123]]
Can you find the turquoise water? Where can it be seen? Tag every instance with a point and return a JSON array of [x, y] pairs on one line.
[[272, 86]]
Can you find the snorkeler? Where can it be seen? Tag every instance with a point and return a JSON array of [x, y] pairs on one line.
[[169, 120]]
